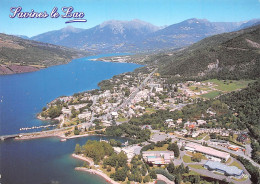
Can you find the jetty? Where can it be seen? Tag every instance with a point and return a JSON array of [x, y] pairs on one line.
[[31, 135], [4, 137]]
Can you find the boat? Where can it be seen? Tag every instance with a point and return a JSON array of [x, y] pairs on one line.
[[63, 140]]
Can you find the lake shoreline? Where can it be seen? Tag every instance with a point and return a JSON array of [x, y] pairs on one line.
[[98, 173], [105, 176], [83, 158]]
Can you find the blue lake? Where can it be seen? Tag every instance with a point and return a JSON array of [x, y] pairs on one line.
[[22, 96]]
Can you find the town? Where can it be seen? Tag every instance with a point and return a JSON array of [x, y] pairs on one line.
[[155, 114]]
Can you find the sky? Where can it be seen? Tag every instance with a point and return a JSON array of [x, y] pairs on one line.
[[157, 12]]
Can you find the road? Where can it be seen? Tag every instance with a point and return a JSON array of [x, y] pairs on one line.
[[94, 102], [133, 94]]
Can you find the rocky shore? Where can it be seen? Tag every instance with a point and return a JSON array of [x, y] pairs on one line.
[[12, 69]]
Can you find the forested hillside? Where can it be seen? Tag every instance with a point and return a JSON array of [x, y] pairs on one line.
[[233, 55], [19, 55], [246, 103]]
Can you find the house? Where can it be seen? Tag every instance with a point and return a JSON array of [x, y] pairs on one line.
[[179, 121], [106, 123], [114, 114], [195, 134], [210, 112], [131, 151], [169, 122], [159, 89], [208, 151], [242, 137], [201, 122], [190, 125], [222, 168], [146, 127], [158, 157]]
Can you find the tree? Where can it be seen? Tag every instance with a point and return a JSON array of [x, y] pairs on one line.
[[153, 174], [120, 175], [108, 169], [182, 148], [196, 157], [144, 170], [113, 142], [196, 179], [187, 169], [146, 179], [178, 179], [97, 150], [171, 168], [77, 149], [76, 130], [54, 111], [174, 147], [121, 159]]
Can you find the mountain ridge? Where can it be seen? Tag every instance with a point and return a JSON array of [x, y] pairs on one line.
[[232, 55], [137, 35]]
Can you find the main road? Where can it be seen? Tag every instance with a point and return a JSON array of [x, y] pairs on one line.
[[133, 94]]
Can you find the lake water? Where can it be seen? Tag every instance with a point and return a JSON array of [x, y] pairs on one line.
[[22, 96], [44, 161]]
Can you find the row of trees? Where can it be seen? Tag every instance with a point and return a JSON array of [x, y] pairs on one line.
[[129, 130], [95, 150], [53, 112]]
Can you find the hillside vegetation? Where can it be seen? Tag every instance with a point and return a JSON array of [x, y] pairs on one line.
[[19, 55], [233, 55]]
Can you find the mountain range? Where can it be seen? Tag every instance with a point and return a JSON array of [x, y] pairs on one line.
[[138, 36]]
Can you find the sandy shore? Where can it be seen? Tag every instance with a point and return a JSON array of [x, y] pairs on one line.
[[82, 157], [99, 173]]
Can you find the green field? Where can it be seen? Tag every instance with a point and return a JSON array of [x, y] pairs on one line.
[[164, 148], [187, 159], [211, 94], [207, 138], [198, 88], [191, 173], [229, 85], [235, 163], [196, 166], [121, 119], [201, 136], [150, 110]]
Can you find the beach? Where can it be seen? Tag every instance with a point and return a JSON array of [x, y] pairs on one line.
[[82, 157], [96, 172]]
